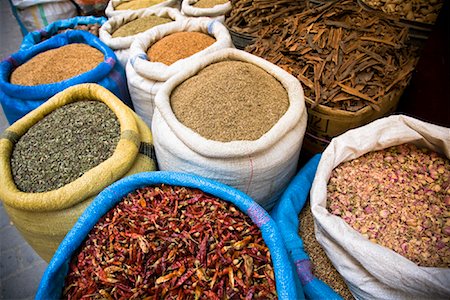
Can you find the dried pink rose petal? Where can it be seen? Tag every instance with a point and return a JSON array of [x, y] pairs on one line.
[[398, 197]]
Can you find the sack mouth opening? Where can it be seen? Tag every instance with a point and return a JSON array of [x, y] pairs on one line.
[[123, 157]]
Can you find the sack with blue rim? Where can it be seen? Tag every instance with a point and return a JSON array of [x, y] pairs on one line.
[[286, 216], [18, 100], [35, 37], [52, 282]]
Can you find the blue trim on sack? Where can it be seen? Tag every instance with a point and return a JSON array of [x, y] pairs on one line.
[[285, 214], [35, 37], [52, 281]]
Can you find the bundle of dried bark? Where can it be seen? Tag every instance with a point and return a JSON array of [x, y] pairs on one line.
[[345, 57], [250, 16]]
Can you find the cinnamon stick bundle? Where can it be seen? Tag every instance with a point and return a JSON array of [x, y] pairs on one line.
[[345, 57]]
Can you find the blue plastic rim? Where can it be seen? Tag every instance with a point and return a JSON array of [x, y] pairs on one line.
[[286, 215], [35, 37], [53, 279]]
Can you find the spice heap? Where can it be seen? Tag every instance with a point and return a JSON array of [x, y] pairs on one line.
[[322, 266], [64, 145], [250, 16], [345, 57], [57, 65], [136, 4], [172, 243], [398, 197], [139, 25], [209, 3], [178, 45], [230, 100], [425, 11]]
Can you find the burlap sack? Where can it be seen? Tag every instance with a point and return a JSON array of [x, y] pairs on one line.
[[121, 45], [44, 218], [261, 168], [145, 77], [371, 270]]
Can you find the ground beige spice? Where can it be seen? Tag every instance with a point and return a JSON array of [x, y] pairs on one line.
[[209, 3], [136, 4], [57, 64], [139, 25], [397, 197], [178, 45], [322, 266], [230, 100]]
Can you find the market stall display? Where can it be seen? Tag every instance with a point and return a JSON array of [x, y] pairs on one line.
[[17, 100], [171, 42], [229, 129], [83, 139], [87, 23], [228, 254], [362, 243], [120, 31], [227, 143]]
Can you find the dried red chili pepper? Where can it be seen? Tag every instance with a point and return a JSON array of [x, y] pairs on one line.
[[172, 242]]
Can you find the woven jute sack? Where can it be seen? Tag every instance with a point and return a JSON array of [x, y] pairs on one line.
[[44, 218], [110, 10], [261, 168], [371, 270], [121, 45], [325, 123], [145, 77]]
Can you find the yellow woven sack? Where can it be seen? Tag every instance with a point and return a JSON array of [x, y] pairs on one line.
[[45, 218]]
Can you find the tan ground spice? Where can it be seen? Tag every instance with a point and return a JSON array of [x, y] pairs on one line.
[[136, 4], [178, 45], [322, 266], [57, 64], [230, 100], [139, 25], [398, 197], [209, 3]]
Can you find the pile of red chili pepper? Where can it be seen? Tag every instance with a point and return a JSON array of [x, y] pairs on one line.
[[172, 243]]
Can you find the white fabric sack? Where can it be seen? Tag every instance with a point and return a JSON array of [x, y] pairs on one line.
[[371, 270], [261, 168], [35, 15], [144, 78], [121, 45], [110, 10], [189, 10]]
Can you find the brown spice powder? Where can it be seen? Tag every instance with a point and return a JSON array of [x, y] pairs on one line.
[[57, 64], [136, 4], [139, 25], [322, 266], [209, 3], [230, 100], [178, 46]]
